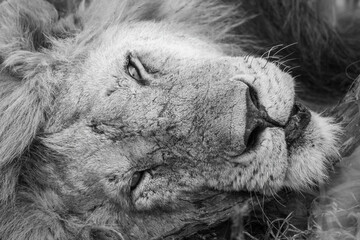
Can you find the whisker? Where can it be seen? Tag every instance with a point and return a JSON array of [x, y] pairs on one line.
[[287, 46]]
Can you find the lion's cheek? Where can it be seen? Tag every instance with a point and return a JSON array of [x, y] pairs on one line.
[[96, 177]]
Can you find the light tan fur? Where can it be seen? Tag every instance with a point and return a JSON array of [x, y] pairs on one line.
[[77, 127]]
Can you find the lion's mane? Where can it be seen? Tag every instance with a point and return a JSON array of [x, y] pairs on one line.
[[305, 44]]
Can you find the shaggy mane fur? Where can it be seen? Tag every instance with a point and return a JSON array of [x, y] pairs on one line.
[[34, 39]]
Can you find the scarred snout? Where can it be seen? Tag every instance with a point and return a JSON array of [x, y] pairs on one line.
[[231, 108]]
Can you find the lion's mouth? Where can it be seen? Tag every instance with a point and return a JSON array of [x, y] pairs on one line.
[[295, 127]]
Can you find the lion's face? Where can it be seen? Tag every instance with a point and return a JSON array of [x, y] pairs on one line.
[[153, 117], [135, 117]]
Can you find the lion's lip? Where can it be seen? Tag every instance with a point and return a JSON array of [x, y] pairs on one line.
[[299, 119]]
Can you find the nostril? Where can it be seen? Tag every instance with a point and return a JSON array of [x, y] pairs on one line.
[[254, 97], [252, 137], [255, 121]]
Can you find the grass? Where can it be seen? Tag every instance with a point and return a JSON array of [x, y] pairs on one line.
[[326, 221], [331, 213]]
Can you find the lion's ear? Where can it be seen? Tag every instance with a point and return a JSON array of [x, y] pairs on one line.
[[26, 29], [24, 26]]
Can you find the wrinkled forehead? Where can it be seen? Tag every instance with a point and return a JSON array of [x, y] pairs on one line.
[[106, 58], [166, 38]]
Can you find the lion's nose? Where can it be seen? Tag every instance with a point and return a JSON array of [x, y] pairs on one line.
[[257, 119]]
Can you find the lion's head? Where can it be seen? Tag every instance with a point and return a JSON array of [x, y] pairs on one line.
[[132, 120]]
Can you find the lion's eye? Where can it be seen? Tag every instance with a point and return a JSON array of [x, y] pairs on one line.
[[136, 179], [134, 72], [137, 71]]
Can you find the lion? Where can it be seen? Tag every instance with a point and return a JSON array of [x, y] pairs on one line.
[[130, 119]]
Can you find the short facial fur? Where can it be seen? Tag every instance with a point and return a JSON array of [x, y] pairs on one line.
[[79, 131]]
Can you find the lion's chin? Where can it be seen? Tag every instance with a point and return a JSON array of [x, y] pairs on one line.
[[311, 154]]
